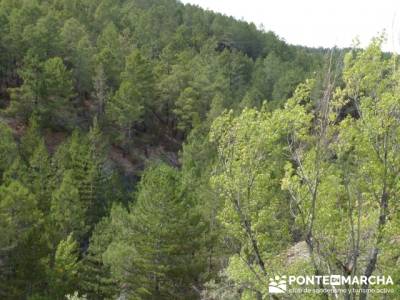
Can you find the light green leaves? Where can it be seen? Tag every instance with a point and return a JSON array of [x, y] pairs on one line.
[[8, 147]]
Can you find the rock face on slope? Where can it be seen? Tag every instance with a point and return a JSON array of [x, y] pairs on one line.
[[298, 252]]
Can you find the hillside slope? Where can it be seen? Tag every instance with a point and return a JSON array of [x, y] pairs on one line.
[[105, 155]]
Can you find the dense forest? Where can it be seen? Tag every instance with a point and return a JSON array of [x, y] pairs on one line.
[[155, 150]]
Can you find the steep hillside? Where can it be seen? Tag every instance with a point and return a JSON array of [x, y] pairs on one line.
[[107, 163]]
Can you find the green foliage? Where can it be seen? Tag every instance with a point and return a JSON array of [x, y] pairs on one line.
[[158, 241], [64, 275], [8, 147], [41, 36], [18, 207], [39, 176], [93, 92], [79, 54], [31, 139], [186, 110], [248, 176], [20, 242], [110, 54], [67, 209], [58, 91], [47, 91], [79, 163], [95, 278], [331, 164], [134, 94], [101, 93]]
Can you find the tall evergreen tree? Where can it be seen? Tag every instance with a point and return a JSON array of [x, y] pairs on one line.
[[21, 245], [67, 209], [47, 90], [157, 251], [64, 274], [8, 148], [135, 93]]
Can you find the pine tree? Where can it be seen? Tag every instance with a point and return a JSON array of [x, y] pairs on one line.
[[41, 36], [95, 278], [83, 156], [156, 251], [56, 107], [31, 139], [111, 54], [67, 210], [18, 207], [21, 245], [79, 54], [39, 177], [135, 93], [47, 91], [64, 274], [25, 98], [97, 179], [101, 92], [8, 148], [186, 109]]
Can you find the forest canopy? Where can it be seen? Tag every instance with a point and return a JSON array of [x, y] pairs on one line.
[[155, 150]]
